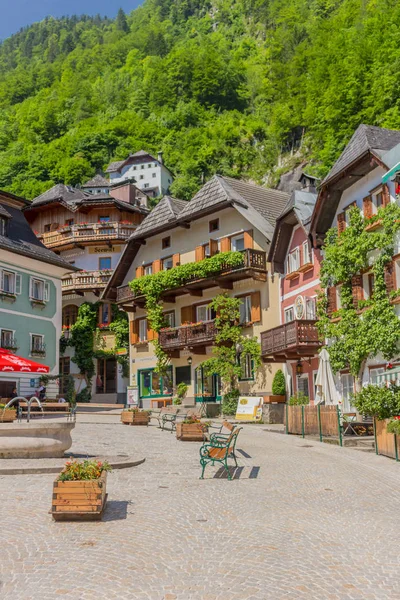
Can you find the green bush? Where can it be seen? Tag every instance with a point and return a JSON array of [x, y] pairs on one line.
[[299, 399], [84, 395], [229, 402], [379, 402], [394, 427], [181, 391], [278, 384]]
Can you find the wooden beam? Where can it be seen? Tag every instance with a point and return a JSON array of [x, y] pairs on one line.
[[197, 349], [193, 292], [224, 284], [169, 299], [184, 225]]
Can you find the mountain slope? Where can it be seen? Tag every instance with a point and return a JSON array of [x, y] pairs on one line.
[[219, 86]]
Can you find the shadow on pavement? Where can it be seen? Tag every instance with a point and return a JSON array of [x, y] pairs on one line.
[[116, 510], [237, 473]]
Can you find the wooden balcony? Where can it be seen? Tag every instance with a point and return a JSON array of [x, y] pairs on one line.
[[290, 341], [254, 266], [85, 281], [195, 337], [76, 235]]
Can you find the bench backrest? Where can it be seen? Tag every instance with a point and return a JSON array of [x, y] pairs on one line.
[[230, 426]]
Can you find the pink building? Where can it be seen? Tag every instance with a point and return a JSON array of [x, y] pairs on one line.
[[295, 342]]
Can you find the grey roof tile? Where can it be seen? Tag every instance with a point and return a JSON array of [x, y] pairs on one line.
[[67, 193], [115, 166], [164, 213], [365, 137], [4, 212], [97, 181]]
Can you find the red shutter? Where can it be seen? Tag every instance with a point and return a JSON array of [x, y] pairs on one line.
[[357, 289], [332, 303], [341, 222], [385, 195], [225, 244], [176, 260], [248, 239], [139, 272], [367, 207], [390, 277]]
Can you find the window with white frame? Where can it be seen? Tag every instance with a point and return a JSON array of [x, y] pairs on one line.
[[39, 290], [142, 330], [311, 309], [302, 385], [10, 282], [289, 314], [377, 200], [245, 309], [203, 313], [293, 261], [237, 243], [148, 269], [347, 390], [246, 363], [7, 338], [374, 373], [167, 263], [169, 318], [307, 253]]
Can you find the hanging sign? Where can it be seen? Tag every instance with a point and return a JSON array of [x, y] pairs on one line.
[[249, 408], [299, 307]]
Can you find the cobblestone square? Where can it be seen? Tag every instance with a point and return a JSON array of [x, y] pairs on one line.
[[301, 520]]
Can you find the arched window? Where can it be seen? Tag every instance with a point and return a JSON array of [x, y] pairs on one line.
[[69, 315]]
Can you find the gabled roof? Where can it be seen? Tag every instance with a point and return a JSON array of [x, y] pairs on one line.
[[21, 240], [163, 215], [365, 138], [115, 166], [97, 181], [64, 193]]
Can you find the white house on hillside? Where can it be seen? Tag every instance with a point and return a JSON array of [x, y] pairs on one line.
[[146, 172]]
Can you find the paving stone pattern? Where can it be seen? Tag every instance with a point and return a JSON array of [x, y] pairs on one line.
[[303, 520]]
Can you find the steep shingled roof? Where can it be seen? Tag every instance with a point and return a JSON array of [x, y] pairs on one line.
[[163, 214], [66, 193], [97, 181], [365, 137], [4, 212], [115, 166]]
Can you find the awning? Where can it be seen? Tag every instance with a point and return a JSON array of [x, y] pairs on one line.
[[391, 375], [10, 363], [389, 174]]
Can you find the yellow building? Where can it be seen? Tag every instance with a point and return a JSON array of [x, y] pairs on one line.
[[226, 214]]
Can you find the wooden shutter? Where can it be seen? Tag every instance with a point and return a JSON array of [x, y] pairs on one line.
[[248, 239], [199, 253], [357, 289], [385, 195], [187, 314], [134, 331], [156, 266], [390, 277], [225, 244], [151, 334], [139, 272], [176, 260], [367, 207], [17, 284], [341, 222], [213, 247], [331, 297], [255, 307]]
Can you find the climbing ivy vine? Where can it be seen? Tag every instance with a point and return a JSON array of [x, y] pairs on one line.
[[363, 329]]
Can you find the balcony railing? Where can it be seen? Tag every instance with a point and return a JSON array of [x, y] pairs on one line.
[[254, 265], [38, 349], [77, 234], [85, 280], [9, 343], [198, 334], [295, 338]]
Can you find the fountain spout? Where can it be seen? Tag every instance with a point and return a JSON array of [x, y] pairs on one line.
[[29, 402]]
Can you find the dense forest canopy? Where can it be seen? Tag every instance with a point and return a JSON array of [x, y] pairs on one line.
[[222, 86]]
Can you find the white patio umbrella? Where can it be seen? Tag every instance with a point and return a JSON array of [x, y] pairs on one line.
[[325, 384]]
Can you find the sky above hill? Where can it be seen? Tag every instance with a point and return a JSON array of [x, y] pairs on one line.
[[20, 13]]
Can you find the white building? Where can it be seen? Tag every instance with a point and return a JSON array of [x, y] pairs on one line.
[[146, 172]]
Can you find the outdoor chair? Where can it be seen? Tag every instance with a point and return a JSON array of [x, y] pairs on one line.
[[348, 420]]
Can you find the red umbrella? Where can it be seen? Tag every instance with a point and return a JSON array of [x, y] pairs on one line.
[[11, 363]]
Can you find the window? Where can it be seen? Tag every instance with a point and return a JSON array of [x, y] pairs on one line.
[[142, 166], [169, 318], [141, 177], [47, 227], [69, 222], [307, 254], [104, 262], [134, 168], [149, 166], [146, 185], [104, 314], [154, 175], [371, 284], [105, 219], [10, 282], [293, 261], [378, 200], [373, 374], [148, 269], [213, 225], [207, 387], [69, 315], [245, 310], [167, 263], [237, 243], [289, 315], [64, 369], [142, 330], [37, 344], [166, 242], [311, 309], [206, 251], [39, 290], [302, 385], [154, 384], [247, 366], [7, 339], [203, 313], [347, 389], [183, 375]]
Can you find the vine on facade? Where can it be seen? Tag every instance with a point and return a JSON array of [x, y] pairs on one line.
[[360, 329]]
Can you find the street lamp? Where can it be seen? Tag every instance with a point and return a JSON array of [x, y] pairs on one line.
[[189, 361], [299, 368]]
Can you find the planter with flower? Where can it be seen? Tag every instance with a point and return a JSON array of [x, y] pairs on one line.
[[7, 415], [191, 430], [79, 492], [134, 416]]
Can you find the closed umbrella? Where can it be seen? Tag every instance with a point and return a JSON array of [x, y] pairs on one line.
[[325, 384]]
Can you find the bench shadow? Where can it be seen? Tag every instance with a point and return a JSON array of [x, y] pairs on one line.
[[236, 473], [116, 510], [243, 453]]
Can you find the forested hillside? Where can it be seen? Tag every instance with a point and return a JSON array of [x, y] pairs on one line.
[[221, 86]]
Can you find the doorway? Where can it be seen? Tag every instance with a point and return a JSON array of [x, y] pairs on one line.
[[106, 380], [6, 388]]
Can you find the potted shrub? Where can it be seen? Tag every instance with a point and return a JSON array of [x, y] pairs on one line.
[[299, 399], [134, 416], [79, 492], [278, 389], [7, 415], [181, 391], [191, 430]]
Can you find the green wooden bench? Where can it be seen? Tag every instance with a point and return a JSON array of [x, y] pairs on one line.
[[218, 450]]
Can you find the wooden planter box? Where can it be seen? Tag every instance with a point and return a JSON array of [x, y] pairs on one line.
[[387, 444], [272, 398], [79, 500], [194, 432], [8, 416], [134, 418]]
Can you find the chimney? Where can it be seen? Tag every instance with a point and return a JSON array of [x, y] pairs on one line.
[[160, 157]]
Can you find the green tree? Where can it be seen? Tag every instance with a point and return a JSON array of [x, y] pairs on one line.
[[121, 22]]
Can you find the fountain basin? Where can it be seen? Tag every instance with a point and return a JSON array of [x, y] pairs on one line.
[[35, 439]]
